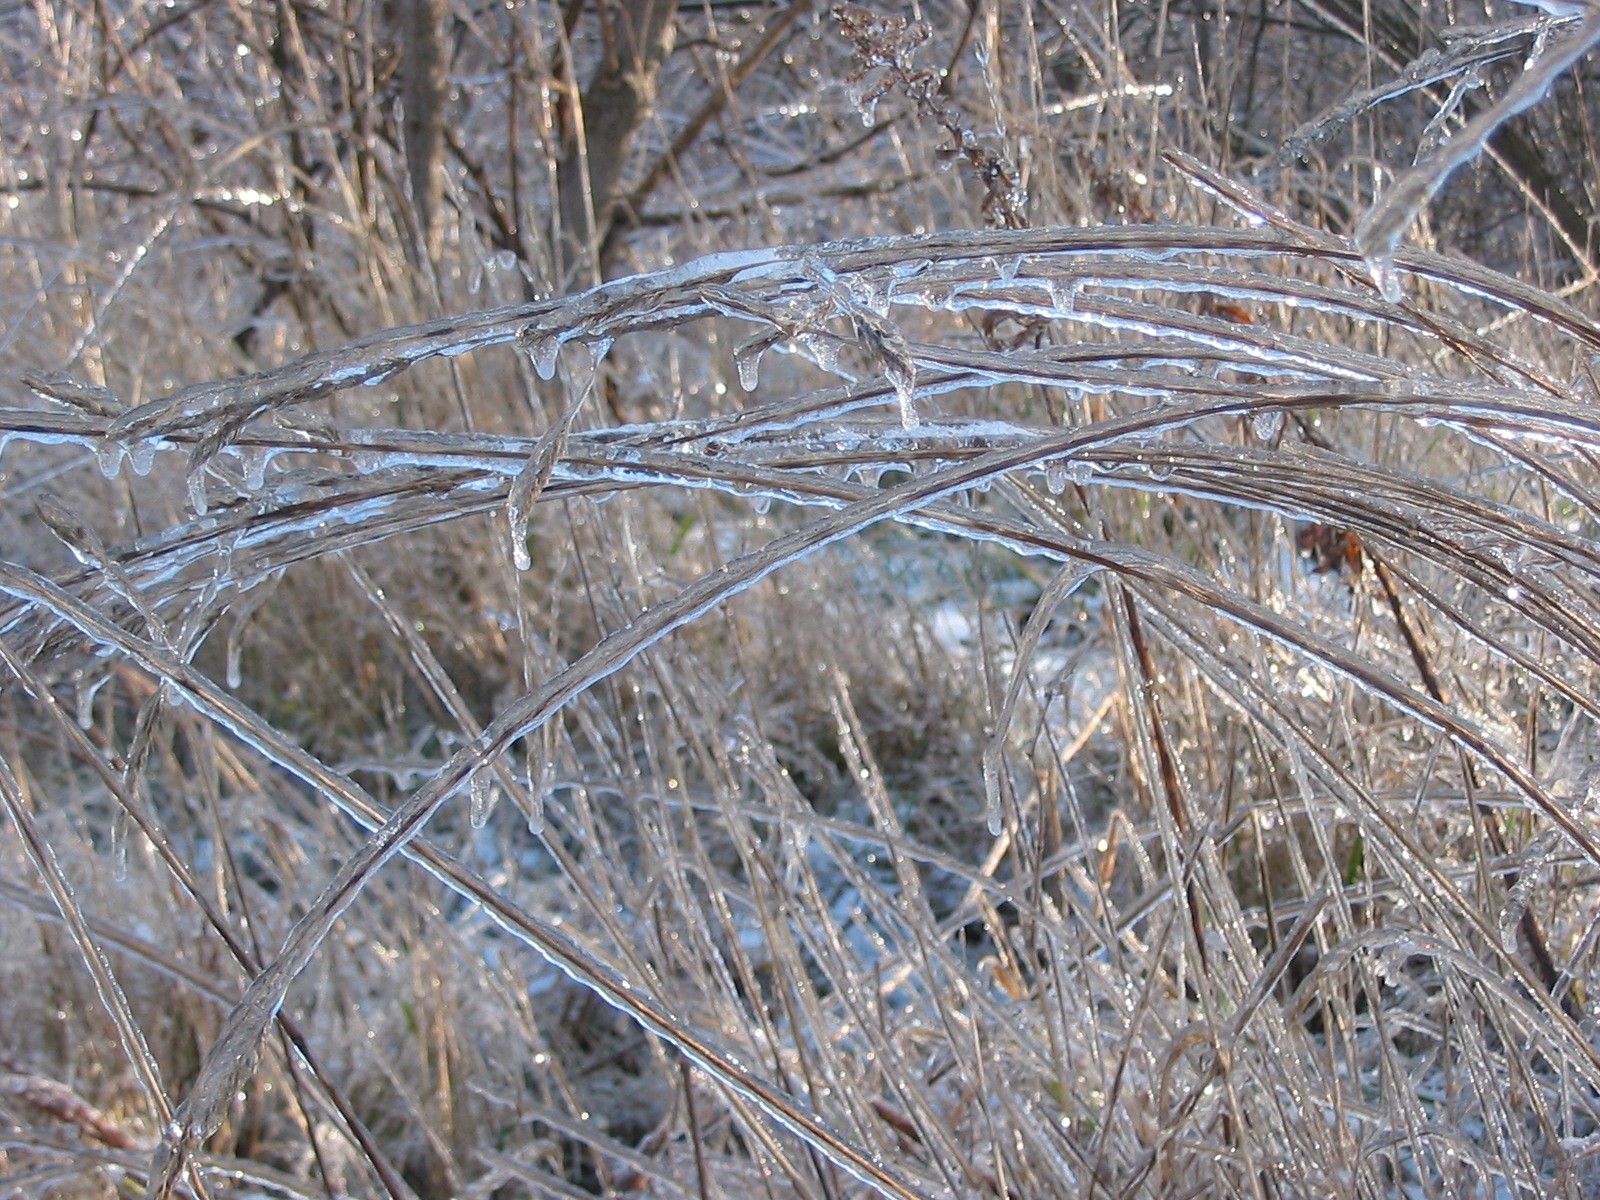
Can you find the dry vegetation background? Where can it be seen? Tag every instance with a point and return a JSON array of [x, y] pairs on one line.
[[1019, 675]]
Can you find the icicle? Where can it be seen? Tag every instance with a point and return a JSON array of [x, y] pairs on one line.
[[543, 783], [483, 797], [88, 688], [108, 453], [747, 359], [543, 348], [903, 374], [531, 480], [255, 467], [1380, 265], [119, 845], [994, 817], [141, 457], [1538, 856], [762, 505], [520, 554], [823, 349], [197, 491], [235, 676]]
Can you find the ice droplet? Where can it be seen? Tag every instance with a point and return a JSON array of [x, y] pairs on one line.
[[1384, 276], [1079, 471], [520, 554], [1055, 477], [543, 349], [823, 349], [108, 453], [1267, 424], [747, 359], [235, 655], [762, 505], [483, 797], [543, 781], [141, 457]]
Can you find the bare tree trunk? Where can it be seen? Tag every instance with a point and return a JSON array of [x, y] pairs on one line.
[[425, 86], [637, 36]]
